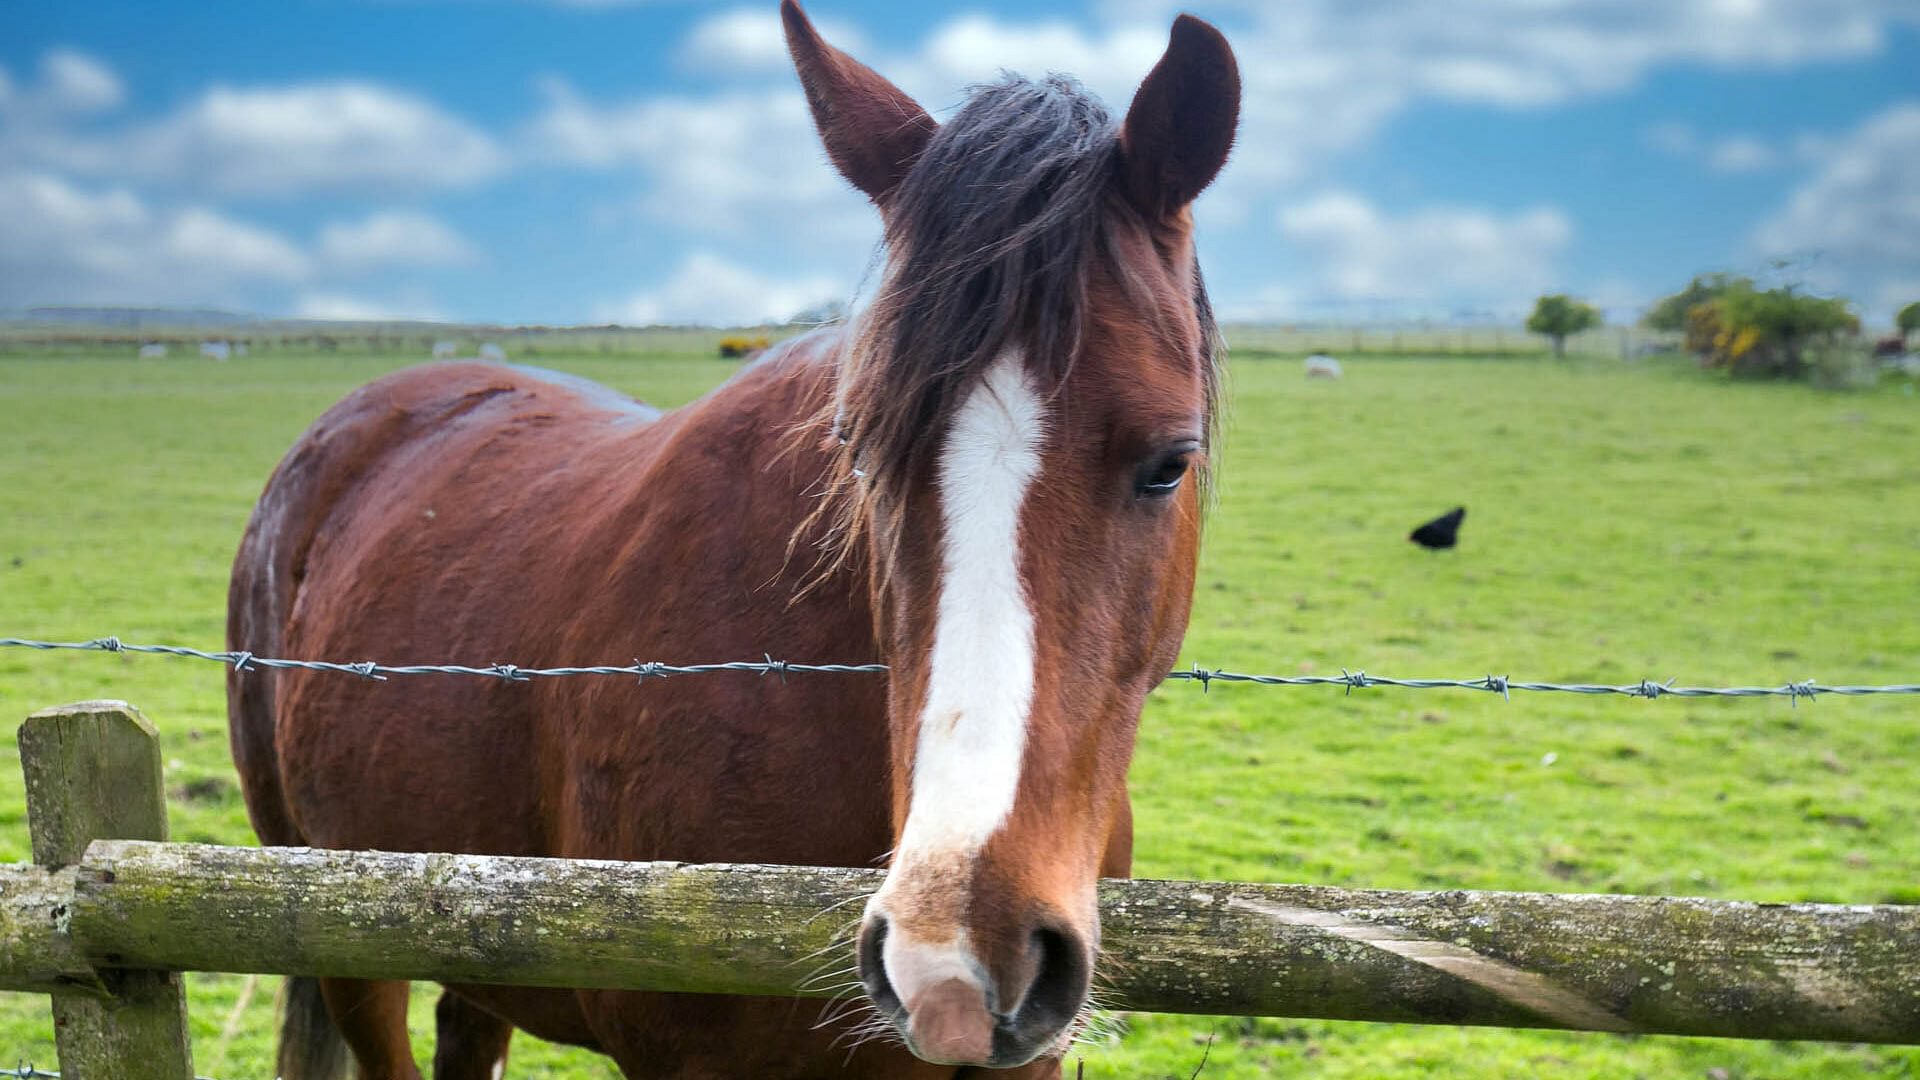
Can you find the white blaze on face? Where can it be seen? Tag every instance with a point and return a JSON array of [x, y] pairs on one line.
[[980, 674]]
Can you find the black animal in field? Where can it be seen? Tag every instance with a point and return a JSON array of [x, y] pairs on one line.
[[1441, 532]]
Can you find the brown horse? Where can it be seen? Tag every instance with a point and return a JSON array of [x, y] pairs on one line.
[[987, 481]]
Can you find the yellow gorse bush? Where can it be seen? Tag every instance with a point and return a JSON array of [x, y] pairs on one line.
[[736, 345]]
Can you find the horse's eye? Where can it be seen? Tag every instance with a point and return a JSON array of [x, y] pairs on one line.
[[1160, 476]]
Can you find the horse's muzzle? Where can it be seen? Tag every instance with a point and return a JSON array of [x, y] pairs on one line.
[[952, 1010]]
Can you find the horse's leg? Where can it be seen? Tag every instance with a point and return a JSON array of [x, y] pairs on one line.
[[470, 1042], [372, 1017]]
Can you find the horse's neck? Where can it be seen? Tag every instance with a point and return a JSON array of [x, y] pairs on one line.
[[769, 425]]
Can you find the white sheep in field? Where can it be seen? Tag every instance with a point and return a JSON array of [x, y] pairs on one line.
[[153, 350], [215, 350], [490, 351], [1322, 366], [445, 350]]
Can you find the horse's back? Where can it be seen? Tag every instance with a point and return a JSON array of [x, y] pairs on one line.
[[397, 528]]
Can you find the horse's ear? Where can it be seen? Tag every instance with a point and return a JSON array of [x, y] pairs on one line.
[[872, 129], [1180, 126]]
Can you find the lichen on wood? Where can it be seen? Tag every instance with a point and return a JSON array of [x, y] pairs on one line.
[[37, 954], [1610, 963]]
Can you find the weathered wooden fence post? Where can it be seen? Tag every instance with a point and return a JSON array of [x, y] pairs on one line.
[[93, 773]]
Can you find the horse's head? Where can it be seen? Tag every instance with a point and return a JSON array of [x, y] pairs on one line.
[[1022, 412]]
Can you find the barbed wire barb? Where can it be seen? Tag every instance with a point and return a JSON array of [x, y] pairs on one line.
[[241, 660]]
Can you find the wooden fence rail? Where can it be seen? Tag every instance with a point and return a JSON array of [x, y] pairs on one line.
[[1603, 963]]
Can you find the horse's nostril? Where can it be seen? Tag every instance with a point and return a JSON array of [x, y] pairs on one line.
[[1059, 986], [873, 968], [946, 1002]]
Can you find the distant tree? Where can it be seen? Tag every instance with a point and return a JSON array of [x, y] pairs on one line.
[[1559, 315], [1908, 321], [1670, 313]]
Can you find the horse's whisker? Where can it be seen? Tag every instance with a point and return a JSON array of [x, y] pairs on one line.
[[840, 904], [813, 981]]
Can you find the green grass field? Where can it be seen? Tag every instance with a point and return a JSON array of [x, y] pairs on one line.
[[1625, 522]]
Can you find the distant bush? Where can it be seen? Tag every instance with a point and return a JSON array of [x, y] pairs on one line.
[[1908, 321], [737, 345], [1670, 314], [1769, 331], [1762, 333]]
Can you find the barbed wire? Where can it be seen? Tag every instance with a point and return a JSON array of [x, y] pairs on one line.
[[241, 660], [26, 1071]]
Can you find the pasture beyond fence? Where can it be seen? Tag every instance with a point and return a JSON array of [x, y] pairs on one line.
[[109, 913]]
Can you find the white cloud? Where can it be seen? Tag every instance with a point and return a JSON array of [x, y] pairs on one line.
[[62, 242], [1855, 223], [1463, 254], [736, 40], [746, 163], [319, 136], [75, 82], [199, 237], [740, 164], [711, 291], [747, 160], [69, 83], [1742, 153], [263, 140], [1673, 138], [1531, 52], [343, 308], [65, 244], [393, 238], [287, 140], [974, 48], [752, 40], [1728, 153], [1322, 76], [1302, 104]]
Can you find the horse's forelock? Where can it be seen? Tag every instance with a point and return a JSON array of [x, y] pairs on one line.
[[988, 237]]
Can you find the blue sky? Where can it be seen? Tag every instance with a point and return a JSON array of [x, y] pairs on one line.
[[653, 162]]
